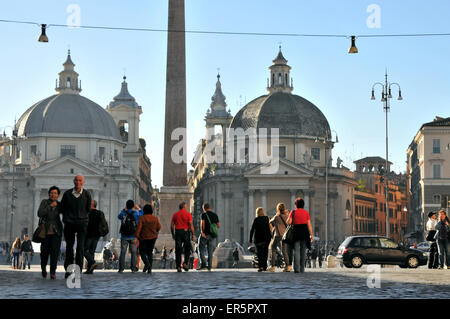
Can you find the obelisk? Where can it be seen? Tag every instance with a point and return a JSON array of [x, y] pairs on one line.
[[174, 189]]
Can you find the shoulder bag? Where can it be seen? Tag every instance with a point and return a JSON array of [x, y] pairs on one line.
[[288, 236], [40, 233]]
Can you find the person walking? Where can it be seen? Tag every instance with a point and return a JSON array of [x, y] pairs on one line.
[[235, 257], [147, 233], [163, 257], [207, 242], [442, 233], [107, 257], [75, 207], [433, 260], [261, 228], [49, 210], [129, 218], [320, 256], [172, 258], [302, 234], [314, 257], [15, 253], [26, 249], [92, 236], [180, 225], [279, 223]]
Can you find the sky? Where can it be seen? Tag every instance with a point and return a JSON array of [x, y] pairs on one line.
[[338, 83]]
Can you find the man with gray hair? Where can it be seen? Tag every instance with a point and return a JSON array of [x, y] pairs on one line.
[[75, 207]]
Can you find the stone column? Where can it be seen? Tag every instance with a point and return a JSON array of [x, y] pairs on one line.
[[306, 199], [37, 202], [264, 199], [293, 195], [251, 210]]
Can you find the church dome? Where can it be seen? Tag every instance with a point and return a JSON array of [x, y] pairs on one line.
[[67, 114], [292, 114]]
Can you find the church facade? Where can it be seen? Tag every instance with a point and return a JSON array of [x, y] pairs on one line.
[[304, 167], [67, 134]]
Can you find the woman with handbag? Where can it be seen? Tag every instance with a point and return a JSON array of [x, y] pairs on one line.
[[15, 253], [302, 234], [51, 244], [263, 234], [279, 222]]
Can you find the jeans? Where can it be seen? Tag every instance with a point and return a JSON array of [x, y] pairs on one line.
[[182, 245], [163, 263], [146, 250], [442, 245], [274, 243], [299, 256], [69, 234], [50, 247], [206, 246], [26, 259], [124, 244], [89, 250], [16, 258], [262, 251], [290, 251], [433, 261]]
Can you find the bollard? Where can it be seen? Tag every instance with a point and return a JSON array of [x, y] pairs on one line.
[[330, 261]]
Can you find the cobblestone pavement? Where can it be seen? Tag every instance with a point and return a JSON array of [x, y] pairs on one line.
[[230, 283]]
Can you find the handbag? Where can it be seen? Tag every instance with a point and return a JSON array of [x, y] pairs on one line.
[[40, 233], [288, 236]]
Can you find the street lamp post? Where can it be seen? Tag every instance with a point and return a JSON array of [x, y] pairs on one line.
[[385, 96], [326, 140]]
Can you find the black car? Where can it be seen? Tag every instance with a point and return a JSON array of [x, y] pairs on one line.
[[358, 250]]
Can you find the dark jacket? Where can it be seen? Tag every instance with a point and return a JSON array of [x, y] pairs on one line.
[[442, 231], [95, 217], [76, 210], [261, 229], [50, 216], [26, 247]]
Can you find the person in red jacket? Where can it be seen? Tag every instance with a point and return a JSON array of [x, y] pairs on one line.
[[147, 233]]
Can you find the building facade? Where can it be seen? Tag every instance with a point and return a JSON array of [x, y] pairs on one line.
[[370, 198], [428, 168], [235, 185], [64, 135]]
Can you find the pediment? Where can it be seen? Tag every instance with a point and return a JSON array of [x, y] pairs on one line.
[[67, 165], [283, 167]]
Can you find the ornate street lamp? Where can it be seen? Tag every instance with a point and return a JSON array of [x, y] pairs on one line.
[[385, 96]]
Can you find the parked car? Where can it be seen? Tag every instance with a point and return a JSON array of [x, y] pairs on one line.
[[423, 246], [358, 250]]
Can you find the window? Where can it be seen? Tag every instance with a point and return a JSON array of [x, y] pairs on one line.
[[280, 79], [376, 188], [436, 199], [33, 149], [436, 170], [101, 153], [68, 82], [282, 151], [116, 155], [369, 242], [67, 150], [123, 129], [386, 243], [436, 146], [391, 212], [315, 153]]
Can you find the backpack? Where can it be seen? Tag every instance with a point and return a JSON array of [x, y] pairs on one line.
[[213, 228], [128, 227], [103, 228]]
